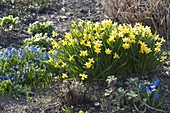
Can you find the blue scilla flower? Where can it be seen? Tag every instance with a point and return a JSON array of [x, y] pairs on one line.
[[153, 86], [16, 67], [41, 57], [23, 78], [1, 54], [140, 88], [13, 50], [55, 59], [13, 78], [148, 90], [30, 61], [8, 57], [7, 77], [36, 59], [24, 71], [36, 67], [9, 53], [61, 71], [11, 68], [33, 48], [20, 55], [156, 81], [2, 77]]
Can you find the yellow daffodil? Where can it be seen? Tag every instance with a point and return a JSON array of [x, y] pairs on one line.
[[163, 58], [126, 46], [97, 24], [158, 44], [97, 44], [97, 50], [64, 75], [68, 36], [57, 65], [55, 46], [50, 60], [73, 24], [113, 33], [71, 58], [126, 40], [64, 42], [63, 64], [157, 38], [88, 44], [107, 23], [147, 50], [125, 30], [163, 40], [52, 52], [157, 49], [108, 51], [60, 61], [83, 53], [83, 76], [120, 34], [80, 24], [120, 27], [54, 34], [116, 56], [111, 39], [53, 42], [88, 64], [91, 60], [71, 42], [82, 42]]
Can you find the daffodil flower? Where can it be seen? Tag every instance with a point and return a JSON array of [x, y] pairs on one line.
[[83, 76], [64, 75], [88, 64], [108, 51]]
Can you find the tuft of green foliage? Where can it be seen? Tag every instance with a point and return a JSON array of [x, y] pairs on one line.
[[139, 95], [41, 27], [41, 40], [96, 50], [8, 22]]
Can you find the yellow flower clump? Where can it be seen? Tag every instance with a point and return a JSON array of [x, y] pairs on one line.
[[90, 44]]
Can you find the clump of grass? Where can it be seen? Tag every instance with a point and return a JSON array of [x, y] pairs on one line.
[[154, 13]]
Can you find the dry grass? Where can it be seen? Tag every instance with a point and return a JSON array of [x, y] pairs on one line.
[[154, 13]]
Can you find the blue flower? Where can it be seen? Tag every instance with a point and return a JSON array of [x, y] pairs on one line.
[[2, 77], [13, 50], [41, 57], [8, 57], [140, 88], [148, 90], [20, 55], [35, 49], [153, 86], [156, 82], [13, 78]]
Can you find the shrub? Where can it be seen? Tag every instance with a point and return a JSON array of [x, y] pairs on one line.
[[96, 50], [41, 27], [41, 40], [8, 22], [25, 70]]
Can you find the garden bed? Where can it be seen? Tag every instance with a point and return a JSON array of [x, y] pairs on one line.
[[62, 14]]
